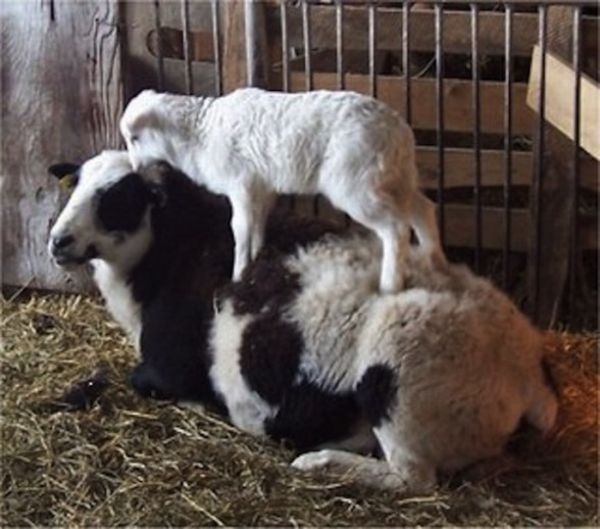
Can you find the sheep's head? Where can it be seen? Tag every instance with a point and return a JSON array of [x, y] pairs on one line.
[[148, 130], [107, 215]]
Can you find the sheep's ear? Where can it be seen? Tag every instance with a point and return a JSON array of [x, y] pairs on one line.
[[67, 174], [60, 170]]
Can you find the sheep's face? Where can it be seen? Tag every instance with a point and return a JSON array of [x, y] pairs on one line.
[[107, 215], [148, 136]]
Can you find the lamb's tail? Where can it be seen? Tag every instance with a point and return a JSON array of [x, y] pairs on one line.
[[544, 404]]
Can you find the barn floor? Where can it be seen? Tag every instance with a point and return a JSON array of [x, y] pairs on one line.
[[133, 462]]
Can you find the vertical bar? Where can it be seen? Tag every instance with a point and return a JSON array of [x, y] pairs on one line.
[[285, 46], [439, 88], [372, 48], [159, 60], [339, 43], [251, 39], [185, 22], [574, 243], [476, 129], [308, 76], [537, 233], [216, 27], [307, 44], [406, 60], [508, 103]]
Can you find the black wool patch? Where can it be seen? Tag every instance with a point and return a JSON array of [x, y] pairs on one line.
[[376, 392], [309, 416], [269, 356], [266, 285], [121, 206]]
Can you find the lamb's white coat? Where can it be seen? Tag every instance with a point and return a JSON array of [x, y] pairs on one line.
[[252, 144]]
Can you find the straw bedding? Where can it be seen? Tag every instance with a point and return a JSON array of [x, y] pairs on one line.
[[138, 462]]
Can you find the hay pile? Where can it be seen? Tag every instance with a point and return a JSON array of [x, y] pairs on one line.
[[136, 462]]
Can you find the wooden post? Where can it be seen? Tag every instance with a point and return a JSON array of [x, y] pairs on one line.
[[556, 198], [245, 48]]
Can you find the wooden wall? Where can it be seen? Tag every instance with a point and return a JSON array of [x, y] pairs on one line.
[[61, 100]]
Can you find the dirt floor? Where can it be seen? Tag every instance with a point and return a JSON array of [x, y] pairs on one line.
[[128, 461]]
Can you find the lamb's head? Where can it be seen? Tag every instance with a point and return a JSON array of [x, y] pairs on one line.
[[107, 215], [149, 128]]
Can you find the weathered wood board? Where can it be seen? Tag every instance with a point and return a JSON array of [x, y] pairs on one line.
[[61, 100]]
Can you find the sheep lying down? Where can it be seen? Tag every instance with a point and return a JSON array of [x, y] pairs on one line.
[[252, 144], [305, 348]]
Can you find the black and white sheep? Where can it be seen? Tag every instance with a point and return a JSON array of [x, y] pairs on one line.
[[252, 144], [304, 348]]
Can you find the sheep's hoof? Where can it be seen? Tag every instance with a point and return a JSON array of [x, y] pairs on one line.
[[314, 460]]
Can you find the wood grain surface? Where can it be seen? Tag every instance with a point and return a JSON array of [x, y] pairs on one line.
[[61, 100]]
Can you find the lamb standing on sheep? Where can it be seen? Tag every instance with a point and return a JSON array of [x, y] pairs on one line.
[[252, 144], [304, 348]]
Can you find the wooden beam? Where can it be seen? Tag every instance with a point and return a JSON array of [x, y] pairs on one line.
[[457, 98], [560, 100], [457, 35], [201, 44]]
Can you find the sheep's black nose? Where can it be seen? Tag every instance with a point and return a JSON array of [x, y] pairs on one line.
[[62, 241]]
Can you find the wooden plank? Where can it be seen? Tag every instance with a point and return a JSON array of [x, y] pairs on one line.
[[457, 101], [61, 100], [457, 32], [201, 44], [460, 225], [560, 100]]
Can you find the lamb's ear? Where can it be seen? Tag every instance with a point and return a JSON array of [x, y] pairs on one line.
[[60, 170]]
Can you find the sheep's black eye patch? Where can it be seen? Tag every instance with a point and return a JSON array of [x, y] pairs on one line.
[[121, 207]]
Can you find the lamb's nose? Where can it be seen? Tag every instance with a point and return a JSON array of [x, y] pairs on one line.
[[60, 242]]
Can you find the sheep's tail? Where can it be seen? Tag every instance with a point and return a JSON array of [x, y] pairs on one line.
[[544, 405]]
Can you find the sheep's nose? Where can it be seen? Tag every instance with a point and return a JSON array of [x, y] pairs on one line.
[[60, 242]]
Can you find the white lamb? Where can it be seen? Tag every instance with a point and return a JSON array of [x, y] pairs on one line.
[[252, 144]]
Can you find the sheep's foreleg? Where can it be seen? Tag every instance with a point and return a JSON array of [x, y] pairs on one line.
[[241, 224]]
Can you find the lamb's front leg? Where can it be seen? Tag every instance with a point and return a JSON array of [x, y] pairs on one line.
[[250, 212]]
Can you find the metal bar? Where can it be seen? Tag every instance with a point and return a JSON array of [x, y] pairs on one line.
[[537, 233], [285, 46], [476, 130], [406, 60], [307, 44], [216, 27], [574, 243], [159, 59], [185, 22], [339, 40], [439, 86], [372, 8], [508, 104], [253, 77], [308, 75]]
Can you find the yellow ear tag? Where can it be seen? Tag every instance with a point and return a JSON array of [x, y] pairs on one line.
[[67, 182]]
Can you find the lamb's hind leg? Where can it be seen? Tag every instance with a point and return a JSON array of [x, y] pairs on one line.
[[424, 223], [391, 227]]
